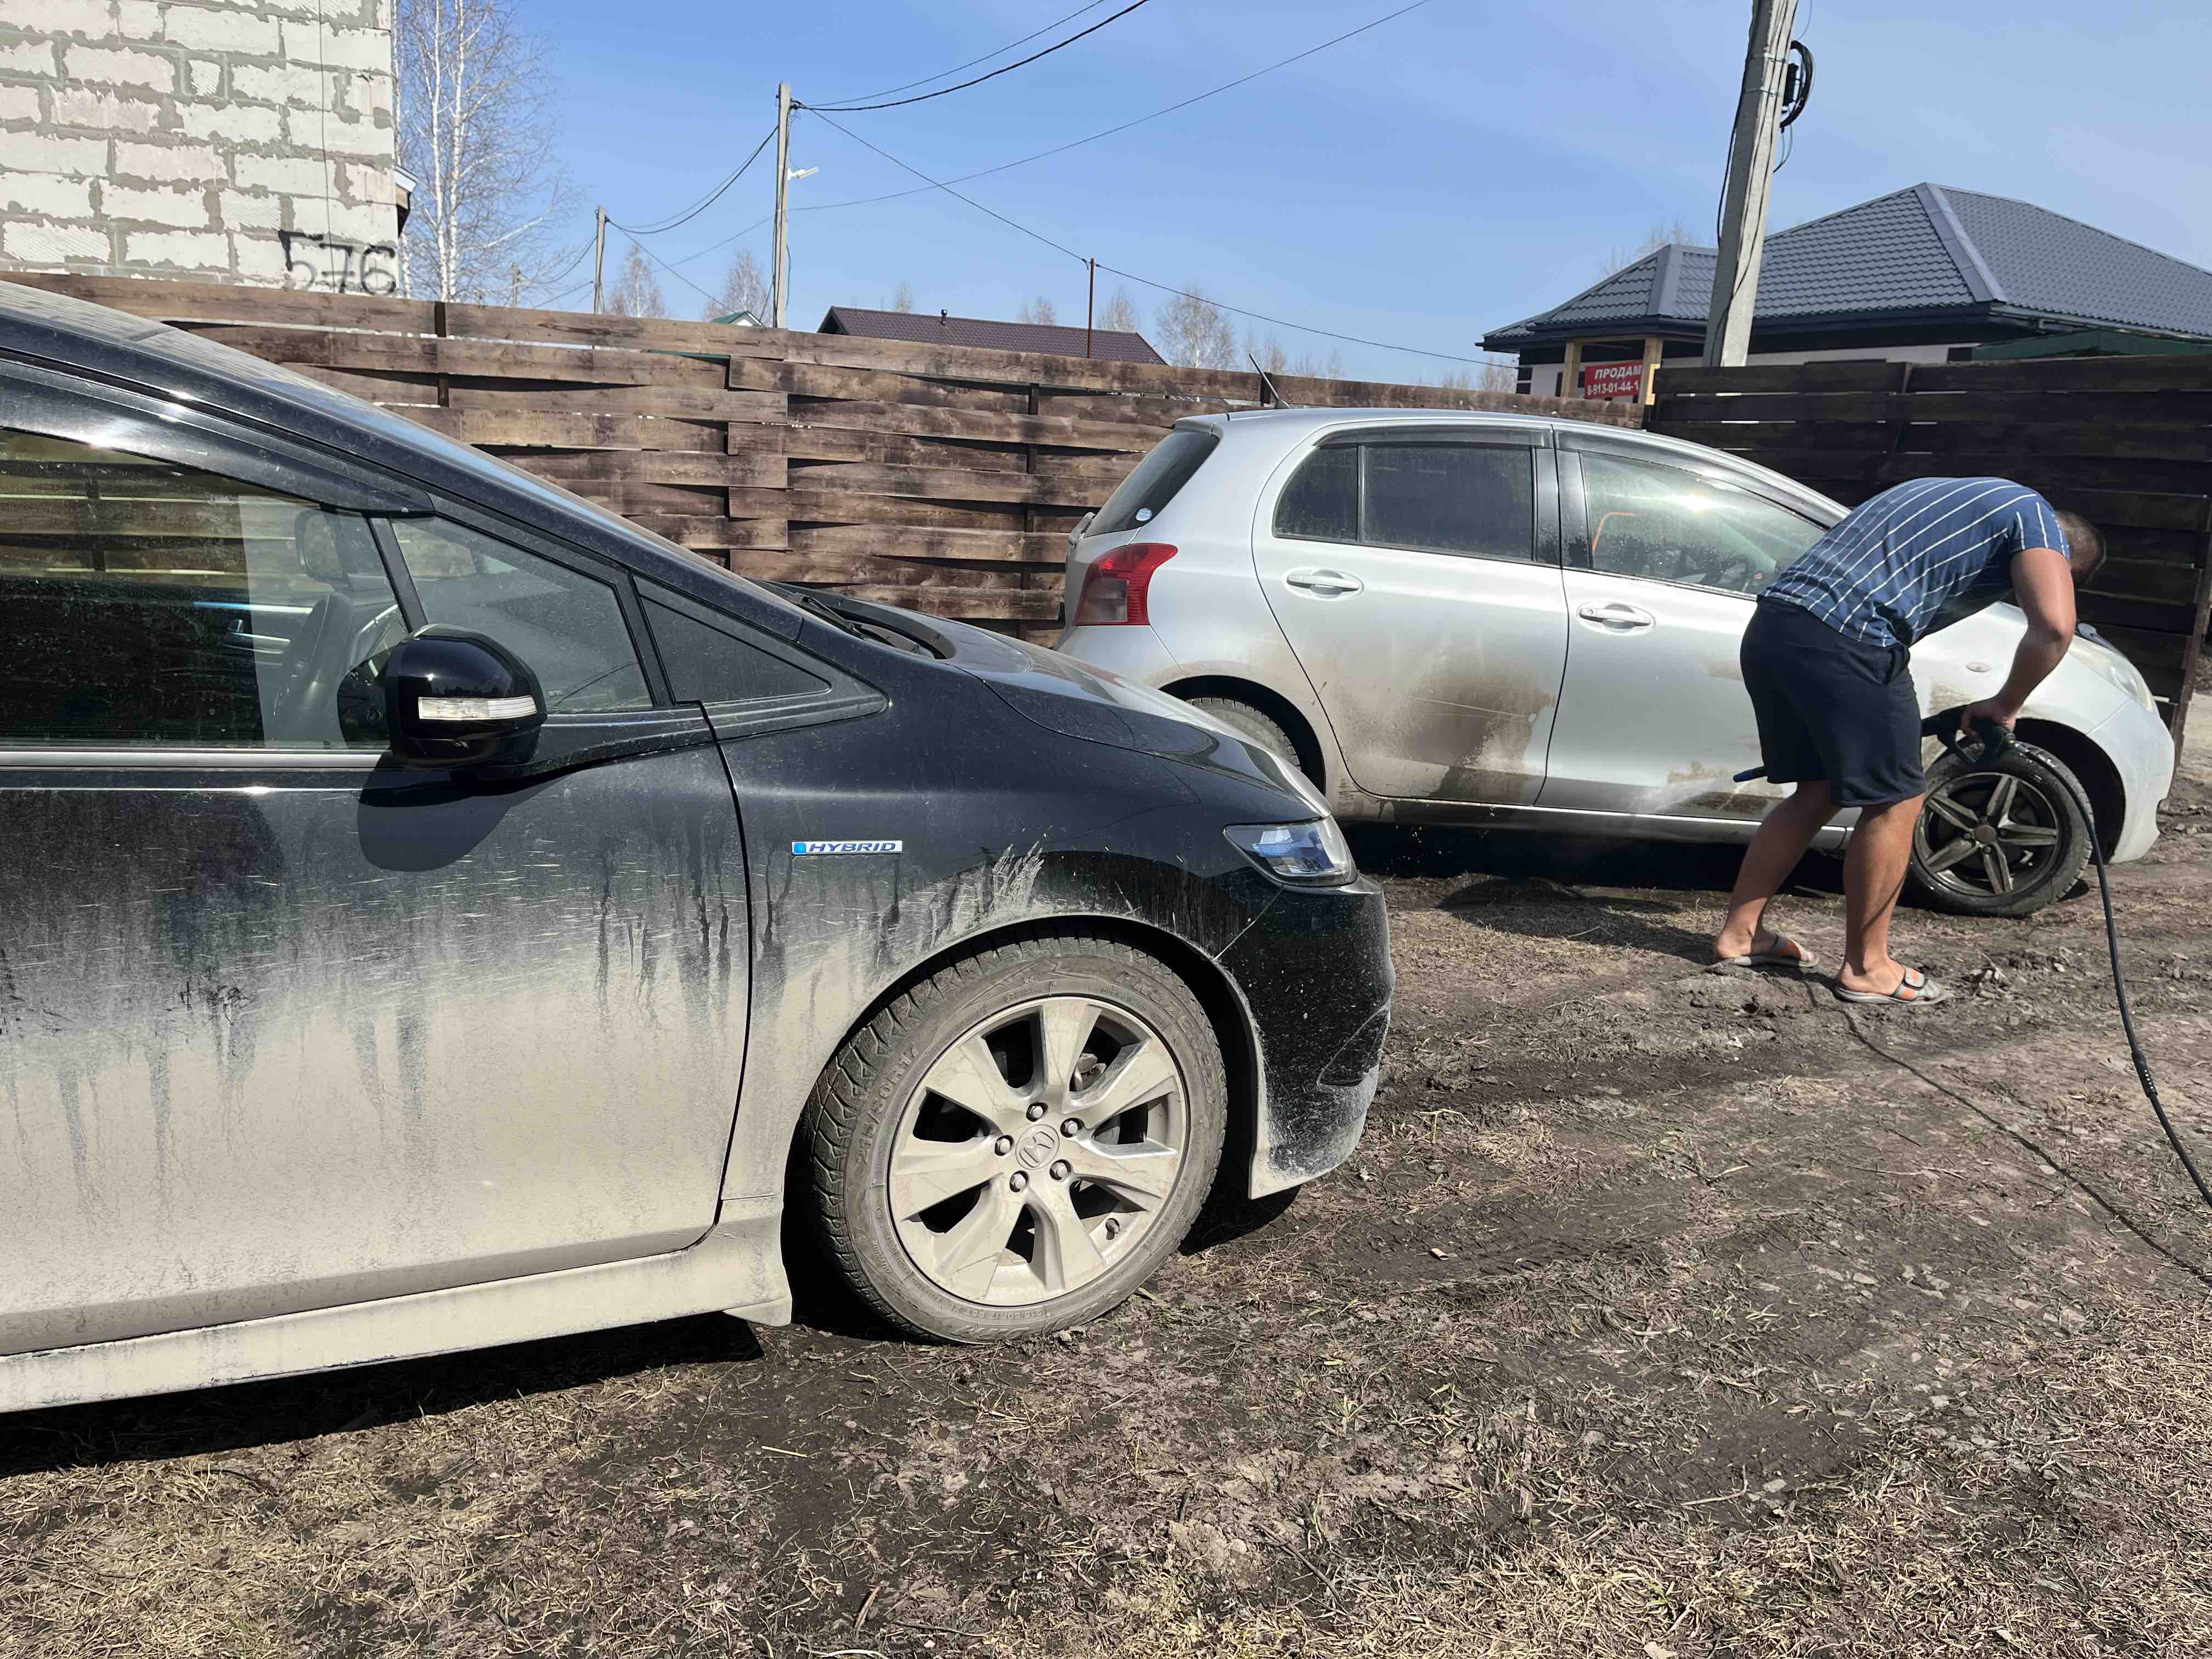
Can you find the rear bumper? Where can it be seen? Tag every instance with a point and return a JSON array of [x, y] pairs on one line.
[[2142, 750], [1131, 650], [1314, 968]]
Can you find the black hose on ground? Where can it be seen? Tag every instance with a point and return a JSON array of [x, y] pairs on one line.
[[1995, 740]]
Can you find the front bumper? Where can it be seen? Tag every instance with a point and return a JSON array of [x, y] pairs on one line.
[[2142, 750], [1314, 972]]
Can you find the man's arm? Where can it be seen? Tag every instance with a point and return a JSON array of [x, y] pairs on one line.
[[2043, 583]]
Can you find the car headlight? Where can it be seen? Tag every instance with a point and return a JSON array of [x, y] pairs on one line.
[[2126, 676], [1311, 854]]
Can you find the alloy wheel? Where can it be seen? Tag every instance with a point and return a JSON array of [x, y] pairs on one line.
[[1986, 834], [1039, 1150]]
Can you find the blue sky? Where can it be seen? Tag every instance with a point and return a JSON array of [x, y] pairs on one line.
[[1444, 173]]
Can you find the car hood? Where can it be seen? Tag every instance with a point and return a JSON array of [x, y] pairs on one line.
[[1073, 699]]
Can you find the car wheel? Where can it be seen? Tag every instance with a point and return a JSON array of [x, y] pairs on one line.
[[1013, 1144], [2000, 840], [1263, 729]]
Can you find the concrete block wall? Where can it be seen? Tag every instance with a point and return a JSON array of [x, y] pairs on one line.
[[244, 140]]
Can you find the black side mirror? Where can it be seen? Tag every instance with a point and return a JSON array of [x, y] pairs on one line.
[[454, 698]]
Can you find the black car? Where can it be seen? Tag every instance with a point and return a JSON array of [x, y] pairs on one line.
[[438, 913]]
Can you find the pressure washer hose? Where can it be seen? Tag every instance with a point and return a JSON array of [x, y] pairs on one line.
[[1995, 740], [2120, 990]]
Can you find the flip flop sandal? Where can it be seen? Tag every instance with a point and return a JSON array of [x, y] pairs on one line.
[[1773, 958], [1926, 992]]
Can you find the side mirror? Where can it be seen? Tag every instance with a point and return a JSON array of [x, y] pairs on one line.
[[453, 699]]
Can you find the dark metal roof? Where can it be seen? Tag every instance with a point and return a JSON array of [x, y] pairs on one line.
[[1926, 252], [1111, 345]]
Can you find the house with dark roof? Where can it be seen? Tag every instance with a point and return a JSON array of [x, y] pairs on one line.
[[1110, 345], [1929, 274]]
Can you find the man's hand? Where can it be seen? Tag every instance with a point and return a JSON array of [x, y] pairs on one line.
[[1989, 708]]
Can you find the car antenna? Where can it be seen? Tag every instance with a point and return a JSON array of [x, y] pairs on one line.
[[1267, 385]]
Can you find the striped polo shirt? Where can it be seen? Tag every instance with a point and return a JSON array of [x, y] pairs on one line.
[[1893, 566]]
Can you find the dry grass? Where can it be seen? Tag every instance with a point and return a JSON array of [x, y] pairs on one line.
[[1685, 1319]]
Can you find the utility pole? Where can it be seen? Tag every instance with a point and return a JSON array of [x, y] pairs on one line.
[[782, 279], [1750, 177], [599, 263], [1090, 304]]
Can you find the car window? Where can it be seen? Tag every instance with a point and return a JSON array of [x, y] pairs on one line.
[[1322, 501], [1451, 498], [1666, 525], [707, 663], [150, 604], [565, 627], [1139, 499]]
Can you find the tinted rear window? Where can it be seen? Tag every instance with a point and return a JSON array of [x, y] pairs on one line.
[[1146, 491], [1452, 498]]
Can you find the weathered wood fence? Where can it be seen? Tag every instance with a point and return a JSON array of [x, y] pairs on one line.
[[942, 477], [2125, 442]]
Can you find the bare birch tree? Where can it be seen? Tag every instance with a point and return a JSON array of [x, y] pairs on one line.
[[1120, 314], [1662, 232], [1039, 310], [1268, 353], [635, 292], [744, 287], [902, 299], [1193, 332], [474, 106]]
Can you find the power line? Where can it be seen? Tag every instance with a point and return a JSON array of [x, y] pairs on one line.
[[673, 270], [1075, 144], [1164, 287], [856, 97], [1004, 69], [949, 190], [693, 213], [1303, 328]]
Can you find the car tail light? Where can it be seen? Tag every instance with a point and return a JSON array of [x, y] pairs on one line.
[[1117, 587]]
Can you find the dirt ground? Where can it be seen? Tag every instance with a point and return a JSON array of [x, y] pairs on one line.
[[1661, 1313]]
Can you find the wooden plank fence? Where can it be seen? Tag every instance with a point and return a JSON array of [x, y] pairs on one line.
[[941, 477], [2125, 442]]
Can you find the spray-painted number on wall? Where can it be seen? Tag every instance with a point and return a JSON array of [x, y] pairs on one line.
[[343, 267]]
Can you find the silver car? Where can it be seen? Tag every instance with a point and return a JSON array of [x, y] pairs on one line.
[[1509, 622]]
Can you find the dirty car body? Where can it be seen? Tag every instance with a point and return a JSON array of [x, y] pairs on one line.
[[1514, 621], [317, 1053]]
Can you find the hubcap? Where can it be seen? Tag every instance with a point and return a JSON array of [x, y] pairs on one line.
[[1986, 834], [1094, 1105]]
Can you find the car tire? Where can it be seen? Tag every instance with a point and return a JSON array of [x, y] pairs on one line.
[[2031, 804], [891, 1151], [1263, 729]]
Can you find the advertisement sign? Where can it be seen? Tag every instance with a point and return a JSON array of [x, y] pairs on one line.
[[1612, 380]]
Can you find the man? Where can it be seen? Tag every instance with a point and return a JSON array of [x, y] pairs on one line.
[[1825, 660]]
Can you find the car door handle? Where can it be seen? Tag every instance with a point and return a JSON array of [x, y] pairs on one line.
[[1623, 618], [1325, 581]]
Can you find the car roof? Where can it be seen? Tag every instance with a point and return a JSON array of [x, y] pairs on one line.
[[1286, 428]]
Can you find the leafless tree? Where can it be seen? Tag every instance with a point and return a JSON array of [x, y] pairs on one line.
[[475, 111], [1330, 367], [1120, 314], [1039, 310], [744, 287], [1485, 376], [1268, 353], [902, 299], [1662, 232], [1193, 332], [635, 292]]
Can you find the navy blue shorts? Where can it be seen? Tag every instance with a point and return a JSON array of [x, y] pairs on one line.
[[1831, 709]]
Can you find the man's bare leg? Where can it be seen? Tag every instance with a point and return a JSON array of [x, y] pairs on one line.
[[1781, 842], [1874, 877]]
